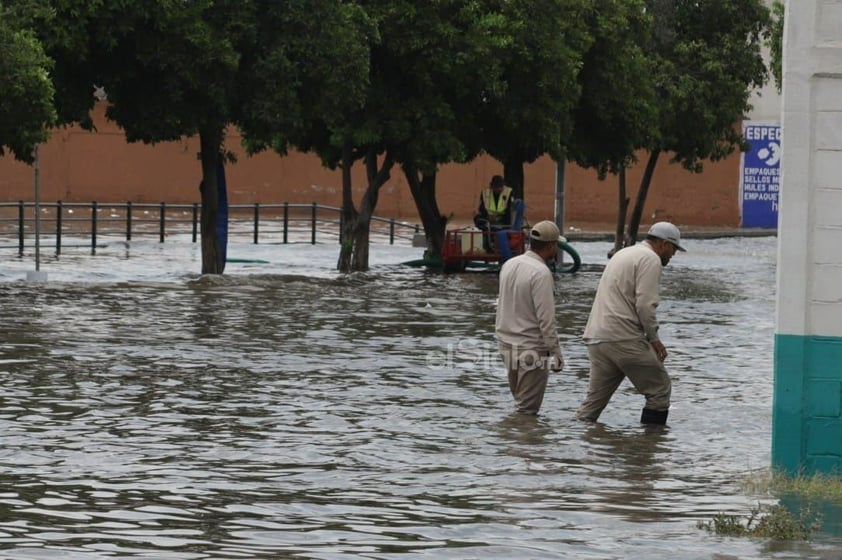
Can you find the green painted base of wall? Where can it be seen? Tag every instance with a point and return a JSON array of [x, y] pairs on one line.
[[807, 409]]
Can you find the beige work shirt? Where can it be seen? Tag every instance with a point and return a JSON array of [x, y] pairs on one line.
[[626, 297], [526, 306]]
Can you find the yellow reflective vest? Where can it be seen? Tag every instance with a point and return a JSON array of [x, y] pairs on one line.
[[496, 209]]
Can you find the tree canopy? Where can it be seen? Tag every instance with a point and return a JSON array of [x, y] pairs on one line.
[[776, 42], [448, 80], [429, 63], [173, 69], [26, 89], [531, 112], [386, 83], [616, 112], [706, 64], [706, 59]]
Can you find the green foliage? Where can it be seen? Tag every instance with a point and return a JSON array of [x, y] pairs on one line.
[[431, 65], [26, 91], [438, 60], [310, 67], [173, 68], [617, 111], [807, 493], [530, 111], [707, 59], [776, 42], [812, 488], [775, 522]]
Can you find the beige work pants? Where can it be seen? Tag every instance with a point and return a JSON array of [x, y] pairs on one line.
[[611, 362], [528, 372]]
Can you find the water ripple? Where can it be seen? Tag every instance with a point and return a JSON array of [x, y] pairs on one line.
[[305, 414]]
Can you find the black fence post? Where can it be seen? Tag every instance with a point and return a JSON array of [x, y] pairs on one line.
[[195, 220], [314, 218], [286, 222], [59, 212], [162, 219], [93, 228], [128, 221], [20, 228], [256, 220], [313, 233]]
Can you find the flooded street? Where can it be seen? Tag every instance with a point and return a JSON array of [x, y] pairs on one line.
[[286, 411]]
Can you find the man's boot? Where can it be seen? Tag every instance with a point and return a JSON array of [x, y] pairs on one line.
[[649, 416]]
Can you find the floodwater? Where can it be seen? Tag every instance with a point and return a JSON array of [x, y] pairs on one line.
[[286, 411]]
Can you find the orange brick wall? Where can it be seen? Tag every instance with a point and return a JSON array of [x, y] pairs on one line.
[[80, 166]]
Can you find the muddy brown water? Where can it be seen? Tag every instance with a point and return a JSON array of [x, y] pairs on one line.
[[286, 411]]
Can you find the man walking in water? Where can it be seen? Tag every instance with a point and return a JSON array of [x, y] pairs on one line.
[[526, 325], [622, 330]]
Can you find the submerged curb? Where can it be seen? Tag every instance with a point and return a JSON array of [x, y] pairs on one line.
[[685, 234]]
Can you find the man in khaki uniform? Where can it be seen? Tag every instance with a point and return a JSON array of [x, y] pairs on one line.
[[526, 325], [622, 330]]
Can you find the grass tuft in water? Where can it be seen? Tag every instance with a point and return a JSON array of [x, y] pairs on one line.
[[770, 521], [777, 521], [815, 487]]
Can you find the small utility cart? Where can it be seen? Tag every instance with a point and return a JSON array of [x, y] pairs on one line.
[[473, 248]]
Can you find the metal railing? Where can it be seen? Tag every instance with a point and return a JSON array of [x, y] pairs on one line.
[[263, 223]]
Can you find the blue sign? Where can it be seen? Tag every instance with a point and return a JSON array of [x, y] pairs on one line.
[[760, 181]]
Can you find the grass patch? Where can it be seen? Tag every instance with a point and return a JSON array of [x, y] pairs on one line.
[[771, 521], [777, 521], [810, 488]]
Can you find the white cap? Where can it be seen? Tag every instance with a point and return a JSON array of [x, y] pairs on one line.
[[667, 232], [545, 231]]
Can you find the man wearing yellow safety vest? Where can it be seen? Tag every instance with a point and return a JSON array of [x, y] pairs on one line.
[[494, 209]]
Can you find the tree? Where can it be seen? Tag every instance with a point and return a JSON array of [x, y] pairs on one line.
[[331, 116], [707, 58], [521, 104], [169, 69], [531, 114], [440, 76], [483, 76], [616, 114], [174, 69], [26, 90], [776, 42], [424, 66], [448, 66]]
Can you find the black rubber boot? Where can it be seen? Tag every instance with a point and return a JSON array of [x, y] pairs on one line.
[[649, 416]]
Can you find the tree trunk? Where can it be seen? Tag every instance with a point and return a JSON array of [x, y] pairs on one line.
[[212, 260], [640, 201], [349, 212], [360, 237], [423, 189], [513, 174], [353, 253], [622, 209]]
